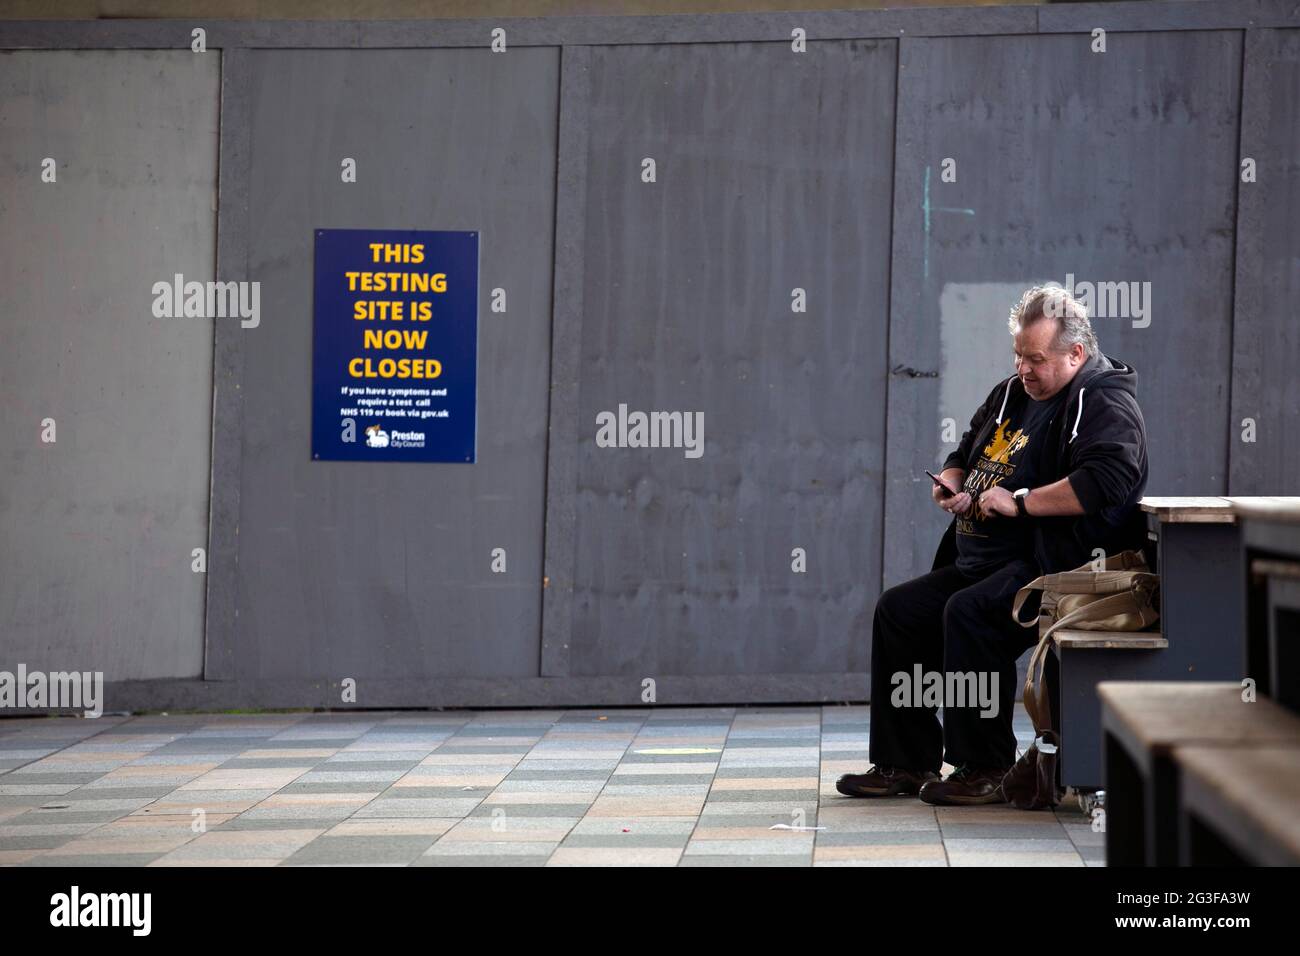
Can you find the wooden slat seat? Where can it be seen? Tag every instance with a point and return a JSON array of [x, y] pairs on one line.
[[1268, 508], [1146, 726], [1247, 796], [1156, 716], [1072, 639], [1190, 510]]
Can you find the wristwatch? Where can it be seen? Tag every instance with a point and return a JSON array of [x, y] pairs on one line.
[[1020, 497]]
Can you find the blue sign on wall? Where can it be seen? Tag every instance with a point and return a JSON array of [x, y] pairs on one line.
[[395, 349]]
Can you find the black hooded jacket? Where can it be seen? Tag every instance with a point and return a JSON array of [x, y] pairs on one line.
[[1099, 442]]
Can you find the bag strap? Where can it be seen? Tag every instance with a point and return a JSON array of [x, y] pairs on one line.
[[1035, 697], [1037, 584]]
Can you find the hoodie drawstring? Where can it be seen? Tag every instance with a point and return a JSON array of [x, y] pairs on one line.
[[1075, 432], [1005, 395]]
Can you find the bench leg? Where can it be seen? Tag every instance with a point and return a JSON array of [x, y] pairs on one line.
[[1125, 806], [1161, 812], [1199, 845]]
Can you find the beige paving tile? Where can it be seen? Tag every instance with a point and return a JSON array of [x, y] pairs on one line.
[[238, 803], [260, 844], [888, 853]]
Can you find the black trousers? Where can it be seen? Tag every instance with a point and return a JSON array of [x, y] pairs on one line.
[[947, 621]]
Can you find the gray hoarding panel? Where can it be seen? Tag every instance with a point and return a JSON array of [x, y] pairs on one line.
[[97, 528], [773, 173], [384, 570], [1115, 167], [1264, 432]]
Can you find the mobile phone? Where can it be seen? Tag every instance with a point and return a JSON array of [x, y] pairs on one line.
[[944, 489]]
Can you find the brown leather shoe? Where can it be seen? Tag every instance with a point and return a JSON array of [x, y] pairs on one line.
[[884, 782], [966, 787]]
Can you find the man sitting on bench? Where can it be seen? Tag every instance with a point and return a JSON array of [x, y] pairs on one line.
[[1051, 469]]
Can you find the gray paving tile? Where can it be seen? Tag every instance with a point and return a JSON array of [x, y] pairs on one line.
[[530, 809], [560, 773], [271, 763], [36, 841], [370, 849], [334, 786], [42, 817], [245, 822], [618, 840], [27, 775]]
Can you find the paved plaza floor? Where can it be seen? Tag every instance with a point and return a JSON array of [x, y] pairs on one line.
[[664, 786]]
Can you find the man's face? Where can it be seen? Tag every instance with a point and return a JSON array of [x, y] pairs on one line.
[[1044, 370]]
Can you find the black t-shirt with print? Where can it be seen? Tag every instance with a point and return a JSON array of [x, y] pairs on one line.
[[1010, 459]]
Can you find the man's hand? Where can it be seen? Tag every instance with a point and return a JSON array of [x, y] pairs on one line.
[[997, 501], [959, 503]]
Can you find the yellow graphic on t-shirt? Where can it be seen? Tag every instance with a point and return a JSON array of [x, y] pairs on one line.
[[993, 467], [1004, 444]]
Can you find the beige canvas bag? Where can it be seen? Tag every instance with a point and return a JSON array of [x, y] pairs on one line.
[[1122, 596]]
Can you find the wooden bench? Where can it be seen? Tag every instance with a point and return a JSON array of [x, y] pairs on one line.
[[1271, 569], [1083, 660], [1198, 555], [1237, 805], [1196, 551], [1144, 724]]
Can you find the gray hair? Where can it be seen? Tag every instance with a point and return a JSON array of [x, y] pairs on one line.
[[1053, 301]]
